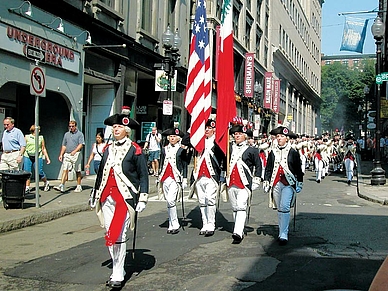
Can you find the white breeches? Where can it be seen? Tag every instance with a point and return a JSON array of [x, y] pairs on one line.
[[117, 251], [206, 191], [349, 166], [318, 169], [239, 201]]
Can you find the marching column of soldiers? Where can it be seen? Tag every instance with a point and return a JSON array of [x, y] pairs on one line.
[[278, 162]]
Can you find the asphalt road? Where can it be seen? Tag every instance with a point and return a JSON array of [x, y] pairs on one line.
[[339, 242]]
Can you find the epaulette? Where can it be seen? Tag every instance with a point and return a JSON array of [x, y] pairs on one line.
[[138, 149]]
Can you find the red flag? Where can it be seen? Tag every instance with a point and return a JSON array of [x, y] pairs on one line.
[[226, 103], [198, 87]]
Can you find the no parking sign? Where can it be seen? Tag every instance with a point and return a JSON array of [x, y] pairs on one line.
[[37, 81]]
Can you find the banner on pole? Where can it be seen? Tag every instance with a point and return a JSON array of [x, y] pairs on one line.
[[353, 37]]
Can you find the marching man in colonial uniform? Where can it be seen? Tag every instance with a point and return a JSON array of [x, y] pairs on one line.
[[284, 175], [350, 156], [210, 162], [121, 189], [243, 178], [173, 175]]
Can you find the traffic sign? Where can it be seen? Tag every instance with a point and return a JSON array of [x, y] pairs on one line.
[[37, 81], [34, 53], [382, 77]]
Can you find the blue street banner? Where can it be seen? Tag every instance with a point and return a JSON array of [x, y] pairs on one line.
[[353, 37]]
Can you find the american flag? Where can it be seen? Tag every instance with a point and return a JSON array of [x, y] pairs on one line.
[[198, 87]]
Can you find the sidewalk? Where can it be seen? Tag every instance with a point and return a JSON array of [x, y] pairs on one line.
[[375, 193], [53, 204]]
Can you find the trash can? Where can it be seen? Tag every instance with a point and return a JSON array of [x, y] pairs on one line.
[[13, 188]]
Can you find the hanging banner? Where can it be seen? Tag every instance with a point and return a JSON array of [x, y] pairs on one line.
[[161, 81], [267, 90], [249, 76], [276, 96], [353, 37]]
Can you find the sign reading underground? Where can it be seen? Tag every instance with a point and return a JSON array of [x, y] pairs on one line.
[[37, 81]]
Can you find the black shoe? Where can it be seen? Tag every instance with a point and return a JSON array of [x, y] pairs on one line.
[[236, 238], [209, 233], [173, 231], [282, 241], [202, 232], [348, 182], [107, 283], [318, 181], [115, 284]]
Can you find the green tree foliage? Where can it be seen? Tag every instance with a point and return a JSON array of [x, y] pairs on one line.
[[342, 93]]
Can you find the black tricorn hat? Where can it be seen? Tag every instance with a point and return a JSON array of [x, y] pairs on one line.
[[121, 119], [238, 128], [349, 136], [283, 130], [211, 123], [173, 131]]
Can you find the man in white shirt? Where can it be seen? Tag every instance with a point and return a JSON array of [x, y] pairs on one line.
[[153, 143]]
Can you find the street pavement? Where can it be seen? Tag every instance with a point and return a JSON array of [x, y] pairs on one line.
[[53, 204]]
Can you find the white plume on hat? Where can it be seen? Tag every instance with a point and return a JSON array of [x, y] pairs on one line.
[[212, 116], [286, 123]]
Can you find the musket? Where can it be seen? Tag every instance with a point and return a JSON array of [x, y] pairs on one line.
[[134, 236], [249, 205]]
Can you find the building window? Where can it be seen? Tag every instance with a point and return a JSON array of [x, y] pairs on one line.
[[114, 4], [259, 34], [146, 15], [236, 16]]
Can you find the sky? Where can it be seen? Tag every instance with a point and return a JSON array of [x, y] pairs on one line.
[[333, 25]]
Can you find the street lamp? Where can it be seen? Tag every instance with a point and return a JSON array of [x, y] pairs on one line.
[[258, 89], [378, 173], [171, 44]]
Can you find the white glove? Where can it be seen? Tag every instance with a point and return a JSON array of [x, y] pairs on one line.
[[184, 183], [255, 186], [140, 206], [299, 186], [266, 186]]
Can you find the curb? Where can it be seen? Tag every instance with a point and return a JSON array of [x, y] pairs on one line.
[[40, 217]]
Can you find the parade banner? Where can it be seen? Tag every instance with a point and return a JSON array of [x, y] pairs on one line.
[[276, 96], [249, 75], [353, 37], [267, 90]]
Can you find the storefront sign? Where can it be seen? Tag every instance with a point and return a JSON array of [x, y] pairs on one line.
[[142, 110], [276, 96], [267, 90], [249, 76], [36, 48]]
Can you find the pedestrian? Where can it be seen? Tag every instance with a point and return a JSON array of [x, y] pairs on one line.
[[173, 175], [121, 188], [243, 178], [211, 162], [152, 143], [284, 175], [14, 145], [29, 157], [96, 153], [70, 156], [349, 149]]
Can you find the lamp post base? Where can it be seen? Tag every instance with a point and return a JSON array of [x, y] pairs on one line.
[[378, 174]]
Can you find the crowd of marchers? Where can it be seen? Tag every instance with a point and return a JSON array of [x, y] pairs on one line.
[[276, 162]]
